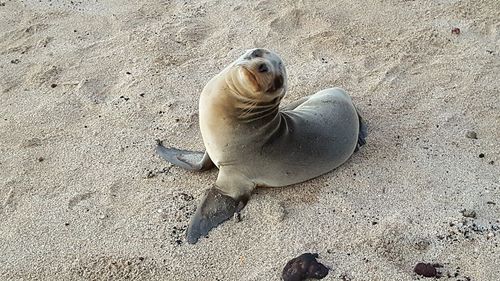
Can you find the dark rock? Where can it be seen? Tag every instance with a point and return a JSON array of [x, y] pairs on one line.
[[425, 269], [303, 267]]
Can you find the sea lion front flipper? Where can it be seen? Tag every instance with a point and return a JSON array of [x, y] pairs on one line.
[[189, 160], [214, 209]]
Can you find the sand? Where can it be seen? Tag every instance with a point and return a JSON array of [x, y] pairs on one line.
[[86, 87]]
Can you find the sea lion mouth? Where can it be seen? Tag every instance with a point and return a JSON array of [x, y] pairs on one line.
[[251, 77]]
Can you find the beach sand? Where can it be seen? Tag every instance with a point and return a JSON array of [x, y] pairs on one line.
[[86, 87]]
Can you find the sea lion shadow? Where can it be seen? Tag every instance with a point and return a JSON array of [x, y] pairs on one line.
[[309, 192]]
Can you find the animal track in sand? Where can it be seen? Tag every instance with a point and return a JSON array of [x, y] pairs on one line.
[[32, 142], [185, 207], [394, 241], [17, 39], [9, 202], [291, 20], [193, 33], [79, 198], [40, 74], [265, 9], [94, 90], [294, 22], [117, 268]]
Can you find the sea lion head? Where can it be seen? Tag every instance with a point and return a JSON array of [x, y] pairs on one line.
[[260, 75]]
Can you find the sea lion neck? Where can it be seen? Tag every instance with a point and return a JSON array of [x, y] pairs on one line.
[[246, 107]]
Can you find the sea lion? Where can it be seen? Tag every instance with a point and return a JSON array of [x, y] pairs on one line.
[[254, 142]]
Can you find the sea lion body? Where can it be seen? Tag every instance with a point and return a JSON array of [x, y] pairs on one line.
[[290, 147], [254, 142]]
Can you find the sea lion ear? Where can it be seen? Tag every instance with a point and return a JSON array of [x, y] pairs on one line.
[[276, 84]]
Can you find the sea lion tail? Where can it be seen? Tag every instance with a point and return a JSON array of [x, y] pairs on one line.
[[363, 133]]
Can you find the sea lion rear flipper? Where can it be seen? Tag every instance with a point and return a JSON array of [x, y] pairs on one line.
[[214, 209], [363, 133], [189, 160]]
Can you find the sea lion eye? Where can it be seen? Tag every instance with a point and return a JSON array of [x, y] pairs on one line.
[[263, 68]]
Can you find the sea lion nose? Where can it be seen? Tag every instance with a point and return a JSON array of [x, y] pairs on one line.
[[262, 68]]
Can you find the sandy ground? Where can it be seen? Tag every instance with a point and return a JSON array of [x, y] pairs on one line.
[[87, 86]]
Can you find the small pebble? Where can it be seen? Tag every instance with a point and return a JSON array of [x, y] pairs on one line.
[[53, 85], [425, 269], [237, 217], [471, 135], [40, 159], [149, 174], [468, 213], [478, 228], [481, 155]]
